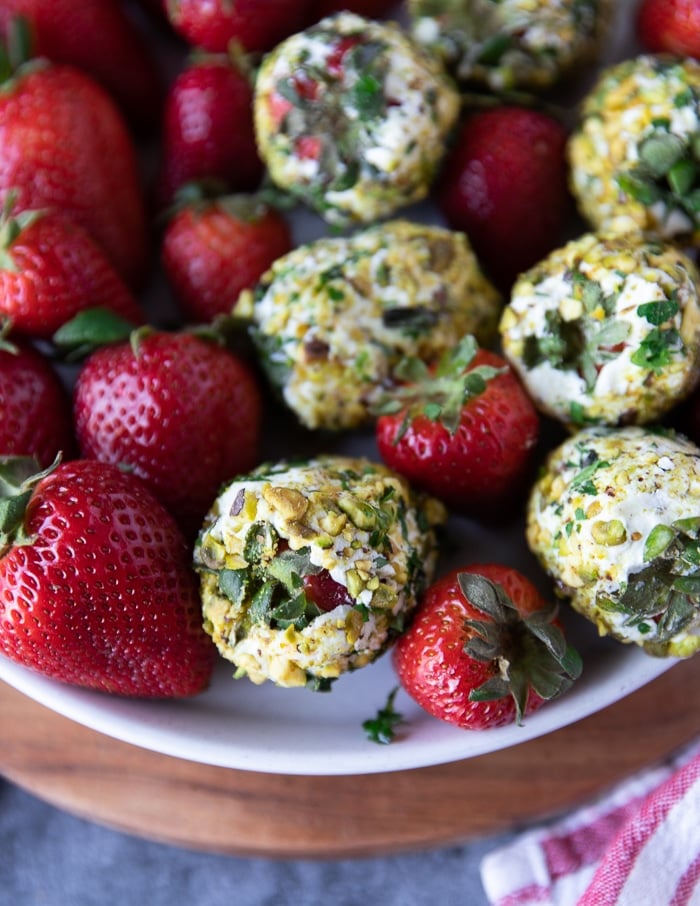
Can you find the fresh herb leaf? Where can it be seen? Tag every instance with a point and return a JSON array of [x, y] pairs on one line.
[[656, 349], [381, 729], [658, 313]]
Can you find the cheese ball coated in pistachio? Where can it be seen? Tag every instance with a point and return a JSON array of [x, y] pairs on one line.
[[505, 44], [635, 156], [615, 520], [352, 118], [333, 318], [606, 330], [309, 570]]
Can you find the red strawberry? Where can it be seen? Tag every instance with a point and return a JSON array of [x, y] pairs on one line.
[[504, 183], [257, 25], [465, 431], [51, 269], [64, 144], [370, 9], [484, 649], [99, 37], [670, 26], [96, 587], [36, 413], [213, 250], [180, 411], [207, 131]]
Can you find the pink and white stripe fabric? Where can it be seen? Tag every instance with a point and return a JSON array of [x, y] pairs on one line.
[[637, 846]]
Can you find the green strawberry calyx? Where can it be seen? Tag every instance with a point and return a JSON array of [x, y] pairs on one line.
[[441, 393], [11, 227], [89, 330], [202, 195], [6, 344], [530, 652], [17, 52], [19, 476]]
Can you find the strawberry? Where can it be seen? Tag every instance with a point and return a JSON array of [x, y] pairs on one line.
[[370, 9], [484, 649], [96, 587], [100, 38], [465, 431], [36, 412], [213, 250], [51, 269], [180, 411], [207, 131], [64, 144], [256, 25], [669, 26], [504, 183]]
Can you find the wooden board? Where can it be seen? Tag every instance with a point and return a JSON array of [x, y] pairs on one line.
[[245, 813]]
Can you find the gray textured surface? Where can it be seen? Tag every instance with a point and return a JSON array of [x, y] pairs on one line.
[[50, 858]]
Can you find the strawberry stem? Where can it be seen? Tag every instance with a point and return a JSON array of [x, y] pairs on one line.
[[528, 652], [19, 475], [439, 395]]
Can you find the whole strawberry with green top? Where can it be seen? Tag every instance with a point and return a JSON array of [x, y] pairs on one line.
[[96, 588], [213, 249], [65, 145], [178, 410], [101, 38], [464, 430], [207, 132], [484, 649], [51, 269]]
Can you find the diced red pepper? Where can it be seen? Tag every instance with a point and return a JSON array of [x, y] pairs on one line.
[[325, 592], [334, 60], [308, 147], [305, 86], [278, 108]]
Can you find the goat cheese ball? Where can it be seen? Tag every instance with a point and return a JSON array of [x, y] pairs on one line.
[[615, 520], [606, 330], [635, 155], [352, 118], [507, 44], [333, 318], [309, 570]]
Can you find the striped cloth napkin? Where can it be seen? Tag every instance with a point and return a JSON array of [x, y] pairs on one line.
[[638, 845]]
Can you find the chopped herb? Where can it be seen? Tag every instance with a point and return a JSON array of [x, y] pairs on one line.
[[667, 589], [335, 294], [583, 481], [381, 729], [658, 313], [298, 611], [368, 97], [232, 584], [657, 348], [418, 318]]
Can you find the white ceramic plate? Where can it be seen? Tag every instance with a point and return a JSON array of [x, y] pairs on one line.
[[261, 728], [294, 731]]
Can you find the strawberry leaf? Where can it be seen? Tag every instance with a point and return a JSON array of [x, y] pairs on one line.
[[494, 688], [19, 475], [527, 652], [440, 394], [88, 331]]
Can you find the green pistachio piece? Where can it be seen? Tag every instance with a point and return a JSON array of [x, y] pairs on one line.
[[609, 533], [660, 151]]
